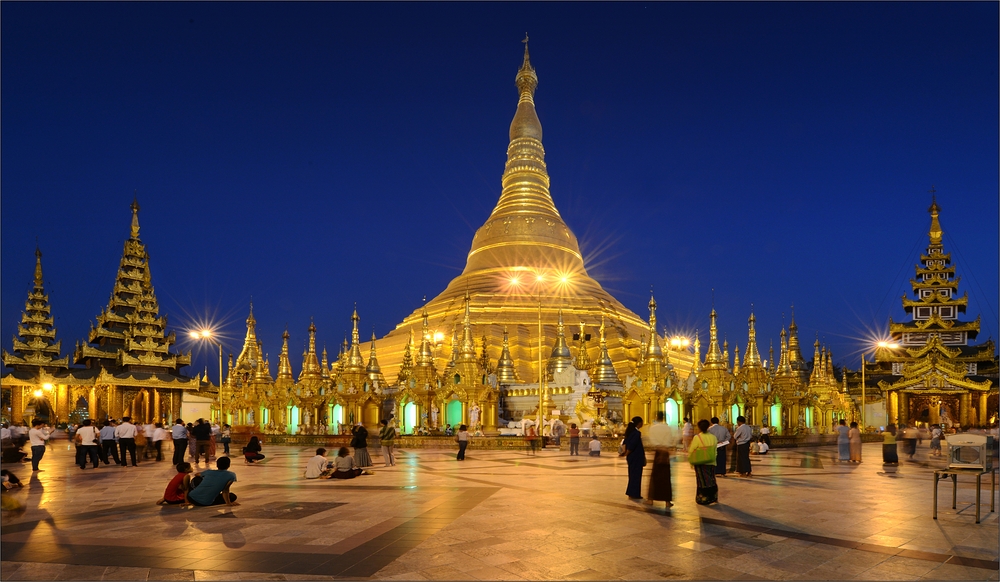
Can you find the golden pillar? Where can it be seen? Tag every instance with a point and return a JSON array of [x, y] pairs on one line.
[[963, 409], [982, 409], [904, 409], [893, 407], [17, 404], [157, 406]]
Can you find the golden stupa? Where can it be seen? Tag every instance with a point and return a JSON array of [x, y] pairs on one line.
[[523, 256]]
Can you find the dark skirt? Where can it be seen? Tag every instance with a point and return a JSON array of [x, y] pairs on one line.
[[345, 474], [708, 490], [889, 453], [634, 489], [361, 457], [659, 478], [720, 461], [743, 459]]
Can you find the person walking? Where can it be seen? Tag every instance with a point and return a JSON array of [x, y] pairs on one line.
[[89, 439], [659, 438], [386, 437], [125, 432], [462, 438], [148, 430], [701, 456], [743, 436], [687, 433], [159, 435], [360, 443], [854, 442], [910, 435], [227, 437], [936, 440], [37, 436], [178, 433], [531, 438], [722, 437], [202, 432], [635, 457], [889, 454], [574, 440], [843, 442], [109, 443]]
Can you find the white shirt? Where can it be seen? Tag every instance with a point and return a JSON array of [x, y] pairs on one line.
[[149, 430], [762, 447], [88, 435], [463, 435], [595, 445], [179, 431], [125, 430], [38, 436], [659, 435], [315, 467], [344, 463], [160, 434]]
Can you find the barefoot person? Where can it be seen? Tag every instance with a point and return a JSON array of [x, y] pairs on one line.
[[212, 486], [659, 438], [178, 486], [344, 466]]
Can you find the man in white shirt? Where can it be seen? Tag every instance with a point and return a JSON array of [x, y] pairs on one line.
[[126, 432], [38, 434], [722, 438], [147, 431], [179, 434], [317, 465], [89, 438], [687, 433], [159, 435], [595, 446], [109, 444]]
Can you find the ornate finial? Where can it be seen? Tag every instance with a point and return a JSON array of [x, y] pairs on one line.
[[526, 79], [935, 232], [135, 215], [38, 267]]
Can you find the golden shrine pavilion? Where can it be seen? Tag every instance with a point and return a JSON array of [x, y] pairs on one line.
[[125, 367], [934, 376]]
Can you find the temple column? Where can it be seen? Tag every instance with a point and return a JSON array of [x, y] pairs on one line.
[[893, 407], [157, 407], [934, 416], [982, 410], [645, 411], [963, 409], [17, 404], [904, 409]]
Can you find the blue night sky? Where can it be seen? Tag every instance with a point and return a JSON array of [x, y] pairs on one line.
[[316, 155]]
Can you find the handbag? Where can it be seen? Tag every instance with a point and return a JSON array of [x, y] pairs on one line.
[[701, 455], [621, 448]]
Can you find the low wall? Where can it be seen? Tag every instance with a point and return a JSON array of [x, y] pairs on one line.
[[499, 443]]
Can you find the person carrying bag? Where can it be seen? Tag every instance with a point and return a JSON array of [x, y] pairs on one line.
[[702, 456]]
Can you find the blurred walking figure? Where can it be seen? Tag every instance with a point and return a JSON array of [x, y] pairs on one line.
[[936, 434], [687, 433], [659, 437], [910, 436], [843, 442], [722, 437], [387, 436], [889, 456], [532, 438], [635, 457], [701, 456], [462, 438], [159, 435], [854, 440]]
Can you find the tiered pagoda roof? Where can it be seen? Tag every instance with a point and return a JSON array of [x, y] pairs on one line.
[[35, 345]]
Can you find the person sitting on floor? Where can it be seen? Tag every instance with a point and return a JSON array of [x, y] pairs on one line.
[[318, 466], [251, 452], [762, 446], [595, 447], [212, 487], [344, 466], [10, 480], [178, 486]]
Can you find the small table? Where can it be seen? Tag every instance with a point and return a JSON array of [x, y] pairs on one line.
[[944, 473]]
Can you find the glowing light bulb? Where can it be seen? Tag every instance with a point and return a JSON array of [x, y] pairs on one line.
[[47, 386]]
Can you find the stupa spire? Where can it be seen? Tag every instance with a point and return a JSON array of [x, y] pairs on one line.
[[697, 351], [505, 365], [355, 361], [135, 216], [935, 232], [604, 371], [752, 355], [795, 359], [310, 363], [426, 355], [654, 351], [468, 353], [582, 361], [284, 363], [817, 371], [713, 358], [406, 368], [373, 368], [560, 358], [736, 359]]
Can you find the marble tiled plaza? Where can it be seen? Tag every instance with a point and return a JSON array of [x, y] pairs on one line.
[[499, 516]]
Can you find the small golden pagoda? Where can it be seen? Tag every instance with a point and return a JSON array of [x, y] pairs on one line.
[[934, 376]]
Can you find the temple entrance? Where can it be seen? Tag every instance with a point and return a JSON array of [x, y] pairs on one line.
[[672, 412], [453, 413], [80, 412], [409, 422], [336, 418], [774, 418], [370, 413]]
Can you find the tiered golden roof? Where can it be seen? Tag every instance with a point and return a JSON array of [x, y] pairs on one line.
[[35, 345]]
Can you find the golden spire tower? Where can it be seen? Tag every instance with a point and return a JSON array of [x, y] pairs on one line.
[[35, 345], [505, 365], [524, 254]]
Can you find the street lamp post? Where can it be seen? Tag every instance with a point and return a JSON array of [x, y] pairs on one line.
[[883, 345], [206, 335]]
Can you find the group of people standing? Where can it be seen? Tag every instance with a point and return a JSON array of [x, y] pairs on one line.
[[706, 450]]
